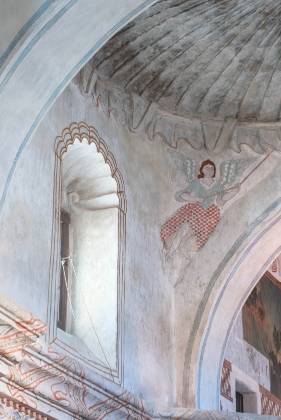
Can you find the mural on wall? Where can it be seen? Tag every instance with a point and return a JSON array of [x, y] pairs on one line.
[[30, 368], [208, 189], [262, 326]]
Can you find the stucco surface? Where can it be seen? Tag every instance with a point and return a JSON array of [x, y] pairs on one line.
[[147, 298], [16, 18], [46, 62], [159, 320], [176, 322]]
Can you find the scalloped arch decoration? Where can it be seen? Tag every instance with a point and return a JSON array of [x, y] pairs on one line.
[[81, 131]]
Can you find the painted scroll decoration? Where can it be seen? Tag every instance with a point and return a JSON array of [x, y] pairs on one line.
[[208, 189]]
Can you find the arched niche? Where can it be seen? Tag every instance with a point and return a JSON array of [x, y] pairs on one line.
[[237, 279], [87, 321]]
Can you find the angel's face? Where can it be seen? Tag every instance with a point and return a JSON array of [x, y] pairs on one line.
[[208, 171]]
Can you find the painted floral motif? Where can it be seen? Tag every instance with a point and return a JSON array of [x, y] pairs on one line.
[[34, 369], [10, 414]]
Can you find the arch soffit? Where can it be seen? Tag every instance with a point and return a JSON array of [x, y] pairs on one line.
[[237, 275]]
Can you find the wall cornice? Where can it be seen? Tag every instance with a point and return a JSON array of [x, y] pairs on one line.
[[199, 132]]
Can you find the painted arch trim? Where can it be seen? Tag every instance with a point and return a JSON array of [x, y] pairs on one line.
[[239, 278], [19, 62]]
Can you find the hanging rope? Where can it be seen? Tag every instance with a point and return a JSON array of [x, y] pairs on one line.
[[63, 261]]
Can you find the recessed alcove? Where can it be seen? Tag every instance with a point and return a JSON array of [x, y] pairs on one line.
[[88, 243]]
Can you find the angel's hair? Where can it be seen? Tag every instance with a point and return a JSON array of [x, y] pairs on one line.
[[205, 163]]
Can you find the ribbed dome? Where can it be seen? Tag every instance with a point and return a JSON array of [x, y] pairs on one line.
[[214, 58]]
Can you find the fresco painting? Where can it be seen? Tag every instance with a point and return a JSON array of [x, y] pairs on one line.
[[262, 326]]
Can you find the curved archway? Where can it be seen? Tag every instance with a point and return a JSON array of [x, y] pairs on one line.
[[47, 62], [237, 279]]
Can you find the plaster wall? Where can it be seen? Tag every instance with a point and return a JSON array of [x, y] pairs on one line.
[[238, 276], [204, 279], [26, 238], [160, 320], [26, 215], [16, 18], [48, 59]]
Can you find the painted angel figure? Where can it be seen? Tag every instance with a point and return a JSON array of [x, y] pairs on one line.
[[205, 195]]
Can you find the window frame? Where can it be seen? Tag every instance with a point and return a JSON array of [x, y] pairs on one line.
[[79, 132]]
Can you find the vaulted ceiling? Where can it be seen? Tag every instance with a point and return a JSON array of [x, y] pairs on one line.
[[217, 58]]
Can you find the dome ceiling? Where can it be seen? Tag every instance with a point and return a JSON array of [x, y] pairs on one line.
[[207, 72], [216, 58]]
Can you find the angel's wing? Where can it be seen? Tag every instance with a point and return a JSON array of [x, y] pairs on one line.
[[185, 164], [231, 170]]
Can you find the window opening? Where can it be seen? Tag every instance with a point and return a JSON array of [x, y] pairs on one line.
[[64, 272], [68, 266], [89, 297], [239, 402]]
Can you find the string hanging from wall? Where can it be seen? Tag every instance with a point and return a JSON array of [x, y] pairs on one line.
[[81, 295]]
